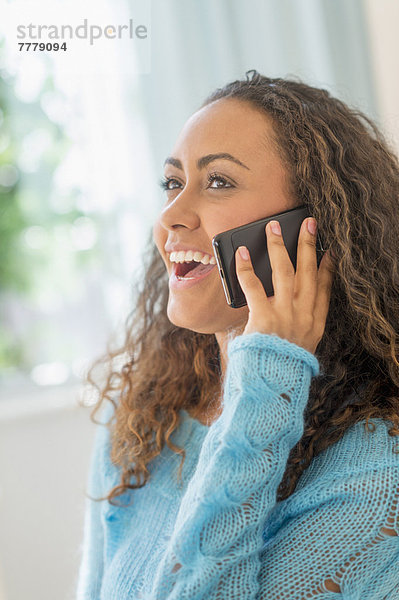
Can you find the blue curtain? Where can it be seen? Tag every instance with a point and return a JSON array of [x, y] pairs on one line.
[[198, 45]]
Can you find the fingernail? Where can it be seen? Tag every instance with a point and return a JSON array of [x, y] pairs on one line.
[[243, 252], [275, 227], [312, 226]]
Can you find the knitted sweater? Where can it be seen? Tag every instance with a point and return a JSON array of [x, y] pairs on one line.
[[221, 534]]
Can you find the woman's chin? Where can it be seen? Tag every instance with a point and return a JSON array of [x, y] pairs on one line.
[[203, 320], [189, 320]]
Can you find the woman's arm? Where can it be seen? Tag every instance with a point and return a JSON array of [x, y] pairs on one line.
[[214, 551], [338, 536]]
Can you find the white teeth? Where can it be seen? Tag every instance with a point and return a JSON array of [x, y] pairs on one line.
[[189, 256]]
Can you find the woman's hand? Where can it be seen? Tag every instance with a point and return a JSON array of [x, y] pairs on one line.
[[298, 310]]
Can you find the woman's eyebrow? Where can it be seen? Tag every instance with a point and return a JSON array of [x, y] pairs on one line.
[[205, 160]]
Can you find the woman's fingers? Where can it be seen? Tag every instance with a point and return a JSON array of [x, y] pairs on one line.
[[251, 285], [306, 280], [283, 272]]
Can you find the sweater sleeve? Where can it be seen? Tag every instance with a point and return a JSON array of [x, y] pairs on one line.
[[214, 551], [92, 548]]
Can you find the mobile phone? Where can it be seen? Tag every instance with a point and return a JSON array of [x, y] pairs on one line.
[[253, 236]]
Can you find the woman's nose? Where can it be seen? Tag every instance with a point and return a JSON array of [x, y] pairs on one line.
[[181, 211]]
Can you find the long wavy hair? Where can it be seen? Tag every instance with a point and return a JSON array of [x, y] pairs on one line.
[[342, 168]]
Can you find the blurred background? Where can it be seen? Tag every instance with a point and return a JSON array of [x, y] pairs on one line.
[[80, 157]]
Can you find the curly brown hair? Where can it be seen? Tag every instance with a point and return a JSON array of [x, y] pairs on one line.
[[342, 168]]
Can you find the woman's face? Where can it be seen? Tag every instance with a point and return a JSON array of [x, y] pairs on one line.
[[208, 195]]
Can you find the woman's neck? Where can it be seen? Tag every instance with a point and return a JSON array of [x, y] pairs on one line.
[[223, 338]]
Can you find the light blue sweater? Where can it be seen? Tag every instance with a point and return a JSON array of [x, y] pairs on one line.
[[222, 535]]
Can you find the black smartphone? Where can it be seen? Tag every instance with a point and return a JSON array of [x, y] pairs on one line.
[[253, 236]]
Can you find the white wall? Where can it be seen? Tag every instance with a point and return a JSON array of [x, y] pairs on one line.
[[383, 21], [44, 459]]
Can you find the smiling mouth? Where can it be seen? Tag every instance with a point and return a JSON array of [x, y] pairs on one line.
[[191, 270]]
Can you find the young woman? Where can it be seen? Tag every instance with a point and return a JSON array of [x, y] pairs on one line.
[[286, 411]]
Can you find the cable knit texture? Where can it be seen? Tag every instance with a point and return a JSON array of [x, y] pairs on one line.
[[220, 534]]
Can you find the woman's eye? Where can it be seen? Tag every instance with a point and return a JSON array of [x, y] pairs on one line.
[[214, 177], [165, 181]]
